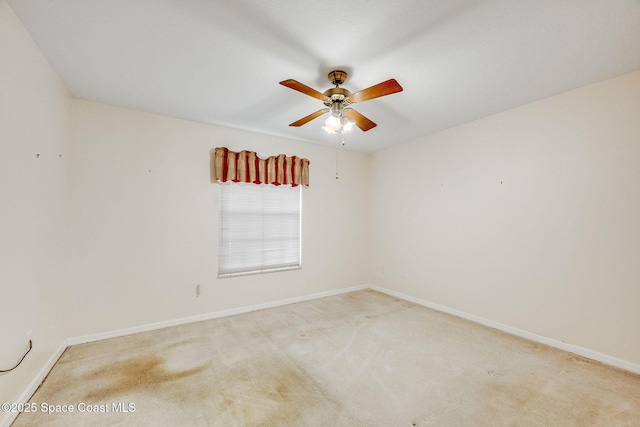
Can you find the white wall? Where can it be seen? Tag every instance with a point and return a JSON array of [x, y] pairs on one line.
[[34, 120], [529, 218], [145, 218]]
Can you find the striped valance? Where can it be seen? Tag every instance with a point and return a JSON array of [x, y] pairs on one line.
[[246, 166]]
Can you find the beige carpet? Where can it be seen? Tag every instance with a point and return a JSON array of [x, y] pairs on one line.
[[359, 359]]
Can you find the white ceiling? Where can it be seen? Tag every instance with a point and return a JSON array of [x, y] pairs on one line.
[[220, 62]]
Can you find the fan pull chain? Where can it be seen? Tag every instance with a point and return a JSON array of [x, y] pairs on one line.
[[336, 141], [343, 142]]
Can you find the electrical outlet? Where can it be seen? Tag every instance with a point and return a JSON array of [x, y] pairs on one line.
[[197, 290]]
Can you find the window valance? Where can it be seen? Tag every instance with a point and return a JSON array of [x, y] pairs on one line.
[[246, 166]]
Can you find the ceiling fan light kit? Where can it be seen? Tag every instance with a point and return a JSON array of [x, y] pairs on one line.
[[337, 119], [338, 100]]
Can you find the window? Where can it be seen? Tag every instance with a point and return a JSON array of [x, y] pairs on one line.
[[260, 228]]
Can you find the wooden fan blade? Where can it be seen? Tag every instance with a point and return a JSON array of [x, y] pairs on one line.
[[309, 117], [381, 89], [361, 121], [295, 85]]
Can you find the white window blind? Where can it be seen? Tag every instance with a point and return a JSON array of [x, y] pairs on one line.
[[260, 228]]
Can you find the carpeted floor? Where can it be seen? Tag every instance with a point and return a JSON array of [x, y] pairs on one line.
[[359, 359]]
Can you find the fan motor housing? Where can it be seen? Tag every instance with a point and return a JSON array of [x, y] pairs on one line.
[[336, 94]]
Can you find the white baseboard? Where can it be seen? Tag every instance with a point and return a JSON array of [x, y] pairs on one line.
[[580, 351], [37, 380], [207, 316]]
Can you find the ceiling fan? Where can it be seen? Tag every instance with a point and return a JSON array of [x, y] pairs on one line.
[[338, 102]]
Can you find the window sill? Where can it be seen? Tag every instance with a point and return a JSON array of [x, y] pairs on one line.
[[254, 272]]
